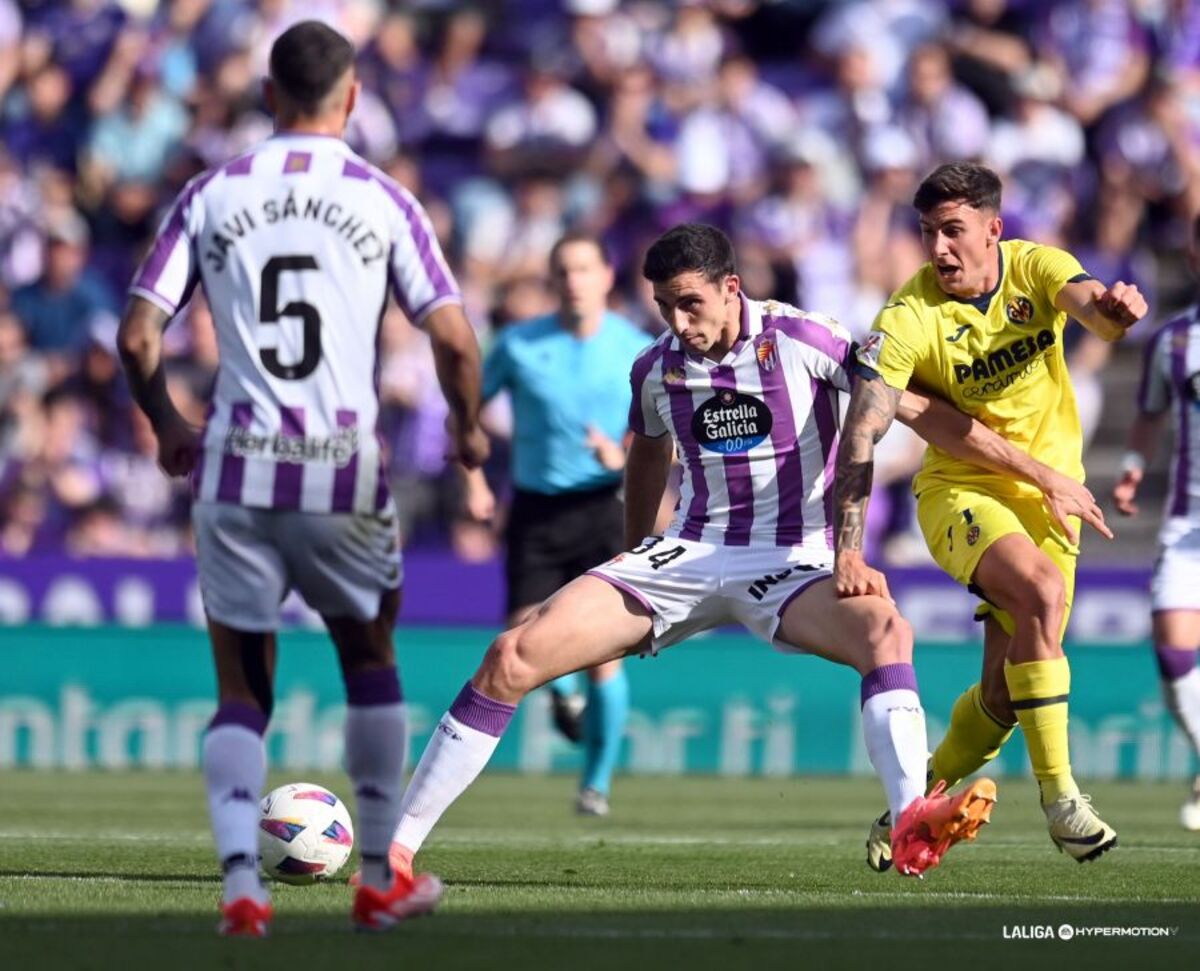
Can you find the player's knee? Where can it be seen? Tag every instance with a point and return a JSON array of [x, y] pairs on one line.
[[889, 639], [506, 672], [1042, 594]]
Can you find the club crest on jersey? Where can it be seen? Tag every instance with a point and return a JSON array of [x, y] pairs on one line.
[[972, 535], [1019, 310], [674, 375], [766, 354], [731, 422]]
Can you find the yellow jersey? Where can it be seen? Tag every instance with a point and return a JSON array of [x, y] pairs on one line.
[[998, 358]]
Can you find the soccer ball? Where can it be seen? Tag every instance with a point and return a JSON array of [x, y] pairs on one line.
[[305, 833]]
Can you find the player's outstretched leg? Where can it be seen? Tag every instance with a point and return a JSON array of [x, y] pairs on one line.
[[981, 721], [1025, 583], [1181, 687], [588, 622], [604, 728], [235, 768], [870, 635]]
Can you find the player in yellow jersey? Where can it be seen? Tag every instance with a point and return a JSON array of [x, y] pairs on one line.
[[980, 325]]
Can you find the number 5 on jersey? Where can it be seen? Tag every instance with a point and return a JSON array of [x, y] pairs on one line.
[[269, 312]]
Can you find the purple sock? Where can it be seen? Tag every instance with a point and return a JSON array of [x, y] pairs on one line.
[[476, 710], [1174, 662], [375, 686], [239, 713], [888, 677]]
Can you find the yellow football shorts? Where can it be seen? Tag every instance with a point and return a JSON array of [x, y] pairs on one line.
[[960, 523]]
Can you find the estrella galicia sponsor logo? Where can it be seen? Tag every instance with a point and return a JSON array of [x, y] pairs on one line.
[[1004, 359], [1019, 310], [731, 422]]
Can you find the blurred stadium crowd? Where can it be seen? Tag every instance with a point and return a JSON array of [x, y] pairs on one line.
[[800, 126]]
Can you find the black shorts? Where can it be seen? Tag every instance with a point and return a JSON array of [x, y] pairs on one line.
[[552, 539]]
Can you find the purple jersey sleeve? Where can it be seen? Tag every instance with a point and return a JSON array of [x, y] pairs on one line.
[[170, 270], [421, 279], [644, 418], [834, 359], [1154, 391]]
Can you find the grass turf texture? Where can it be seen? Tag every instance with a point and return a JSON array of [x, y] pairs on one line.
[[116, 870]]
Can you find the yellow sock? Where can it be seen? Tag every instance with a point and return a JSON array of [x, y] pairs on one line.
[[973, 739], [1039, 691]]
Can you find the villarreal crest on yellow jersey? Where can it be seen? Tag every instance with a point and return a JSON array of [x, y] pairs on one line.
[[998, 358]]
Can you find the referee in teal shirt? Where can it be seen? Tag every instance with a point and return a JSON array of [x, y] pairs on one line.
[[568, 376]]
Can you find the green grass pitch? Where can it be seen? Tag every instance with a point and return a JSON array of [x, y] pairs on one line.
[[116, 871]]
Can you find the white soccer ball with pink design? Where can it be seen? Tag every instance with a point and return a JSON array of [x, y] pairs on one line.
[[305, 833]]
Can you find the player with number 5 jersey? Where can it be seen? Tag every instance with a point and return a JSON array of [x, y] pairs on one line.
[[297, 245], [747, 393]]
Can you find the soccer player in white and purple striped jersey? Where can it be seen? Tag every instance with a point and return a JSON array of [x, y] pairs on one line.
[[1171, 386], [297, 245], [747, 394]]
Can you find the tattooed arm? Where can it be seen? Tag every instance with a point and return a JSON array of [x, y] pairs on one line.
[[139, 341], [873, 405]]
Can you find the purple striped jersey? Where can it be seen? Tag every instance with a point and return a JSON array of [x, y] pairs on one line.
[[296, 244], [757, 432], [1171, 379]]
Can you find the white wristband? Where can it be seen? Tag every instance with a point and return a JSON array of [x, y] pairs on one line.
[[1133, 461]]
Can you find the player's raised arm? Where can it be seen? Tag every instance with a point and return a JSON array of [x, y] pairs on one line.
[[139, 341], [970, 440], [456, 355], [873, 405], [1108, 312], [647, 466]]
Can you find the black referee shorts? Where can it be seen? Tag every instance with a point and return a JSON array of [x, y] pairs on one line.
[[552, 539]]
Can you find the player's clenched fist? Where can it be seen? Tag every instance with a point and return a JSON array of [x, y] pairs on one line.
[[1122, 303], [853, 577]]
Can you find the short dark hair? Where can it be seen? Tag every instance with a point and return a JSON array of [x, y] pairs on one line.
[[968, 182], [690, 248], [307, 62], [579, 236]]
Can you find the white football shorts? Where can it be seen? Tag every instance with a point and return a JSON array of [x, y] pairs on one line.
[[1176, 581], [689, 587], [248, 560]]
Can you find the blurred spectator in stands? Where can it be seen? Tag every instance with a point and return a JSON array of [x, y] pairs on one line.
[[23, 513], [605, 42], [1099, 51], [803, 234], [132, 142], [1038, 132], [10, 44], [59, 310], [944, 119], [883, 31], [856, 103], [23, 379], [1147, 162], [989, 43], [887, 244], [549, 124], [689, 51], [41, 126], [78, 36], [392, 66], [64, 464], [510, 242], [20, 237], [461, 92]]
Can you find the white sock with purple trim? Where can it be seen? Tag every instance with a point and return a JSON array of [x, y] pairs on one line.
[[894, 730], [460, 747]]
